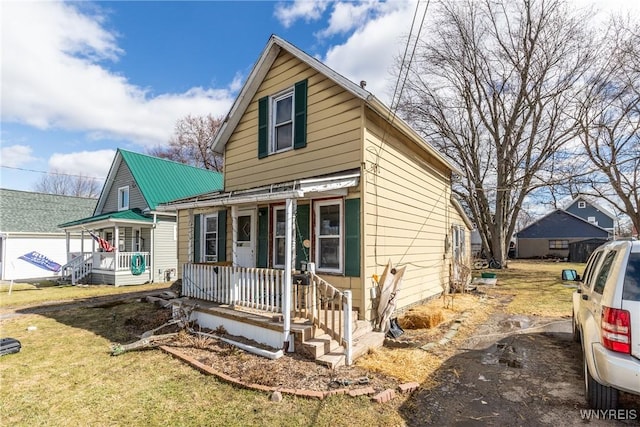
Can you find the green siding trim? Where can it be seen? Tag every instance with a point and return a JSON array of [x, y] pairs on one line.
[[300, 115], [262, 259], [302, 234], [263, 127], [352, 238], [222, 235], [196, 238]]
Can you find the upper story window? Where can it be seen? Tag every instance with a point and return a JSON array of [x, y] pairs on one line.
[[282, 120], [123, 198], [582, 205], [592, 220], [329, 235]]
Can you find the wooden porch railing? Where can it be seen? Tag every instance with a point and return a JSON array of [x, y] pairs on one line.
[[262, 289]]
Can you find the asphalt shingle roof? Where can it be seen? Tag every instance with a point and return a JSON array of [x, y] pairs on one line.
[[24, 211]]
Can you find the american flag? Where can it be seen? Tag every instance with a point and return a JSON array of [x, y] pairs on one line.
[[105, 245]]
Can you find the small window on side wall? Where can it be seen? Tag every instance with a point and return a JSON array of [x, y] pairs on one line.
[[123, 198], [582, 205]]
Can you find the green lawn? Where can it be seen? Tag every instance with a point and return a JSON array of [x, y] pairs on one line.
[[65, 376]]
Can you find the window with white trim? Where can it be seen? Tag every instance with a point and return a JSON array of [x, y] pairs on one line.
[[123, 198], [282, 122], [279, 234], [210, 238], [329, 235], [582, 205], [592, 220]]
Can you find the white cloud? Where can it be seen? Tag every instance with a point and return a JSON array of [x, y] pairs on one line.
[[16, 155], [52, 77], [349, 16], [92, 164], [369, 53], [309, 10]]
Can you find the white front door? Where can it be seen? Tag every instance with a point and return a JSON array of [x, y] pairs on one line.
[[246, 238]]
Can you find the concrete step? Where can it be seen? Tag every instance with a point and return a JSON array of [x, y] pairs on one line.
[[366, 342], [332, 359], [319, 346]]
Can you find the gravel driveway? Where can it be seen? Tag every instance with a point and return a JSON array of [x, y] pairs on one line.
[[516, 371]]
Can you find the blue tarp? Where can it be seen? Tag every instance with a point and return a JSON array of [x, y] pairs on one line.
[[41, 261]]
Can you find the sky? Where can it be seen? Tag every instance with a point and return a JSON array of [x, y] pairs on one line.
[[81, 79]]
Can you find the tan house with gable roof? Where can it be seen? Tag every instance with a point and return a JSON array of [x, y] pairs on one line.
[[319, 172]]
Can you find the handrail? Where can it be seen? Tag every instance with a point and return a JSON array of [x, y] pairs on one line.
[[326, 307], [78, 267]]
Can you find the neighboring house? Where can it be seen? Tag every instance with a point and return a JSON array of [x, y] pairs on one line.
[[133, 243], [29, 222], [552, 235], [593, 213], [311, 153]]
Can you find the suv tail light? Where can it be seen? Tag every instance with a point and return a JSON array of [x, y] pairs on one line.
[[616, 329]]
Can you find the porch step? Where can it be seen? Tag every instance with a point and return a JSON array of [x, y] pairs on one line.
[[326, 351]]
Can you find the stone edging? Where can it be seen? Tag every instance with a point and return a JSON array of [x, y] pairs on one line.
[[276, 392]]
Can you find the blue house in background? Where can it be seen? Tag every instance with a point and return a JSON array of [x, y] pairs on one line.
[[591, 212], [552, 234]]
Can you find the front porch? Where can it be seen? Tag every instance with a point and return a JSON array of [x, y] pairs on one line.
[[250, 302], [115, 268]]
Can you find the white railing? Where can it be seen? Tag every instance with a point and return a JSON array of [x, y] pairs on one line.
[[124, 260], [262, 289], [326, 307], [259, 288], [78, 267]]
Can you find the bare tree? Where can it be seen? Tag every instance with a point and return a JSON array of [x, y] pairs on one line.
[[57, 182], [491, 88], [610, 120], [192, 141]]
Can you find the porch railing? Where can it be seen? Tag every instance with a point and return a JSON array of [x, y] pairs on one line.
[[326, 307], [259, 288], [78, 268], [262, 288]]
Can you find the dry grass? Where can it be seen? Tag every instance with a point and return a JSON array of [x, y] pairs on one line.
[[26, 294]]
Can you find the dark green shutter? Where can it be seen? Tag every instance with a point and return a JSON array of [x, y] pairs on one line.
[[302, 234], [262, 260], [263, 127], [300, 118], [196, 238], [352, 237], [222, 235]]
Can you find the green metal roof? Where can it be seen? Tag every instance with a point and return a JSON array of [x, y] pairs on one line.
[[162, 180], [28, 212], [128, 215]]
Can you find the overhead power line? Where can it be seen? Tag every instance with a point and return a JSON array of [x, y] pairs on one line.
[[53, 173]]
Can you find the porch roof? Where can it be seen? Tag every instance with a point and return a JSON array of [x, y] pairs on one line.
[[130, 216], [334, 184]]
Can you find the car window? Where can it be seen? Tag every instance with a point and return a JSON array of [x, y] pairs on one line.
[[631, 289], [601, 280], [591, 265]]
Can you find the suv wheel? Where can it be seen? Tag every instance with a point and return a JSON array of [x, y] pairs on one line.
[[598, 396]]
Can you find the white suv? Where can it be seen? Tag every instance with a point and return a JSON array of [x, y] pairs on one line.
[[606, 319]]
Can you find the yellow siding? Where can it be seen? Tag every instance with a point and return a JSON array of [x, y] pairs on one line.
[[407, 214], [333, 132]]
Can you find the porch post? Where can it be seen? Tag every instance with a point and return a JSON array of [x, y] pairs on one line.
[[234, 254], [67, 237], [116, 244], [289, 262]]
